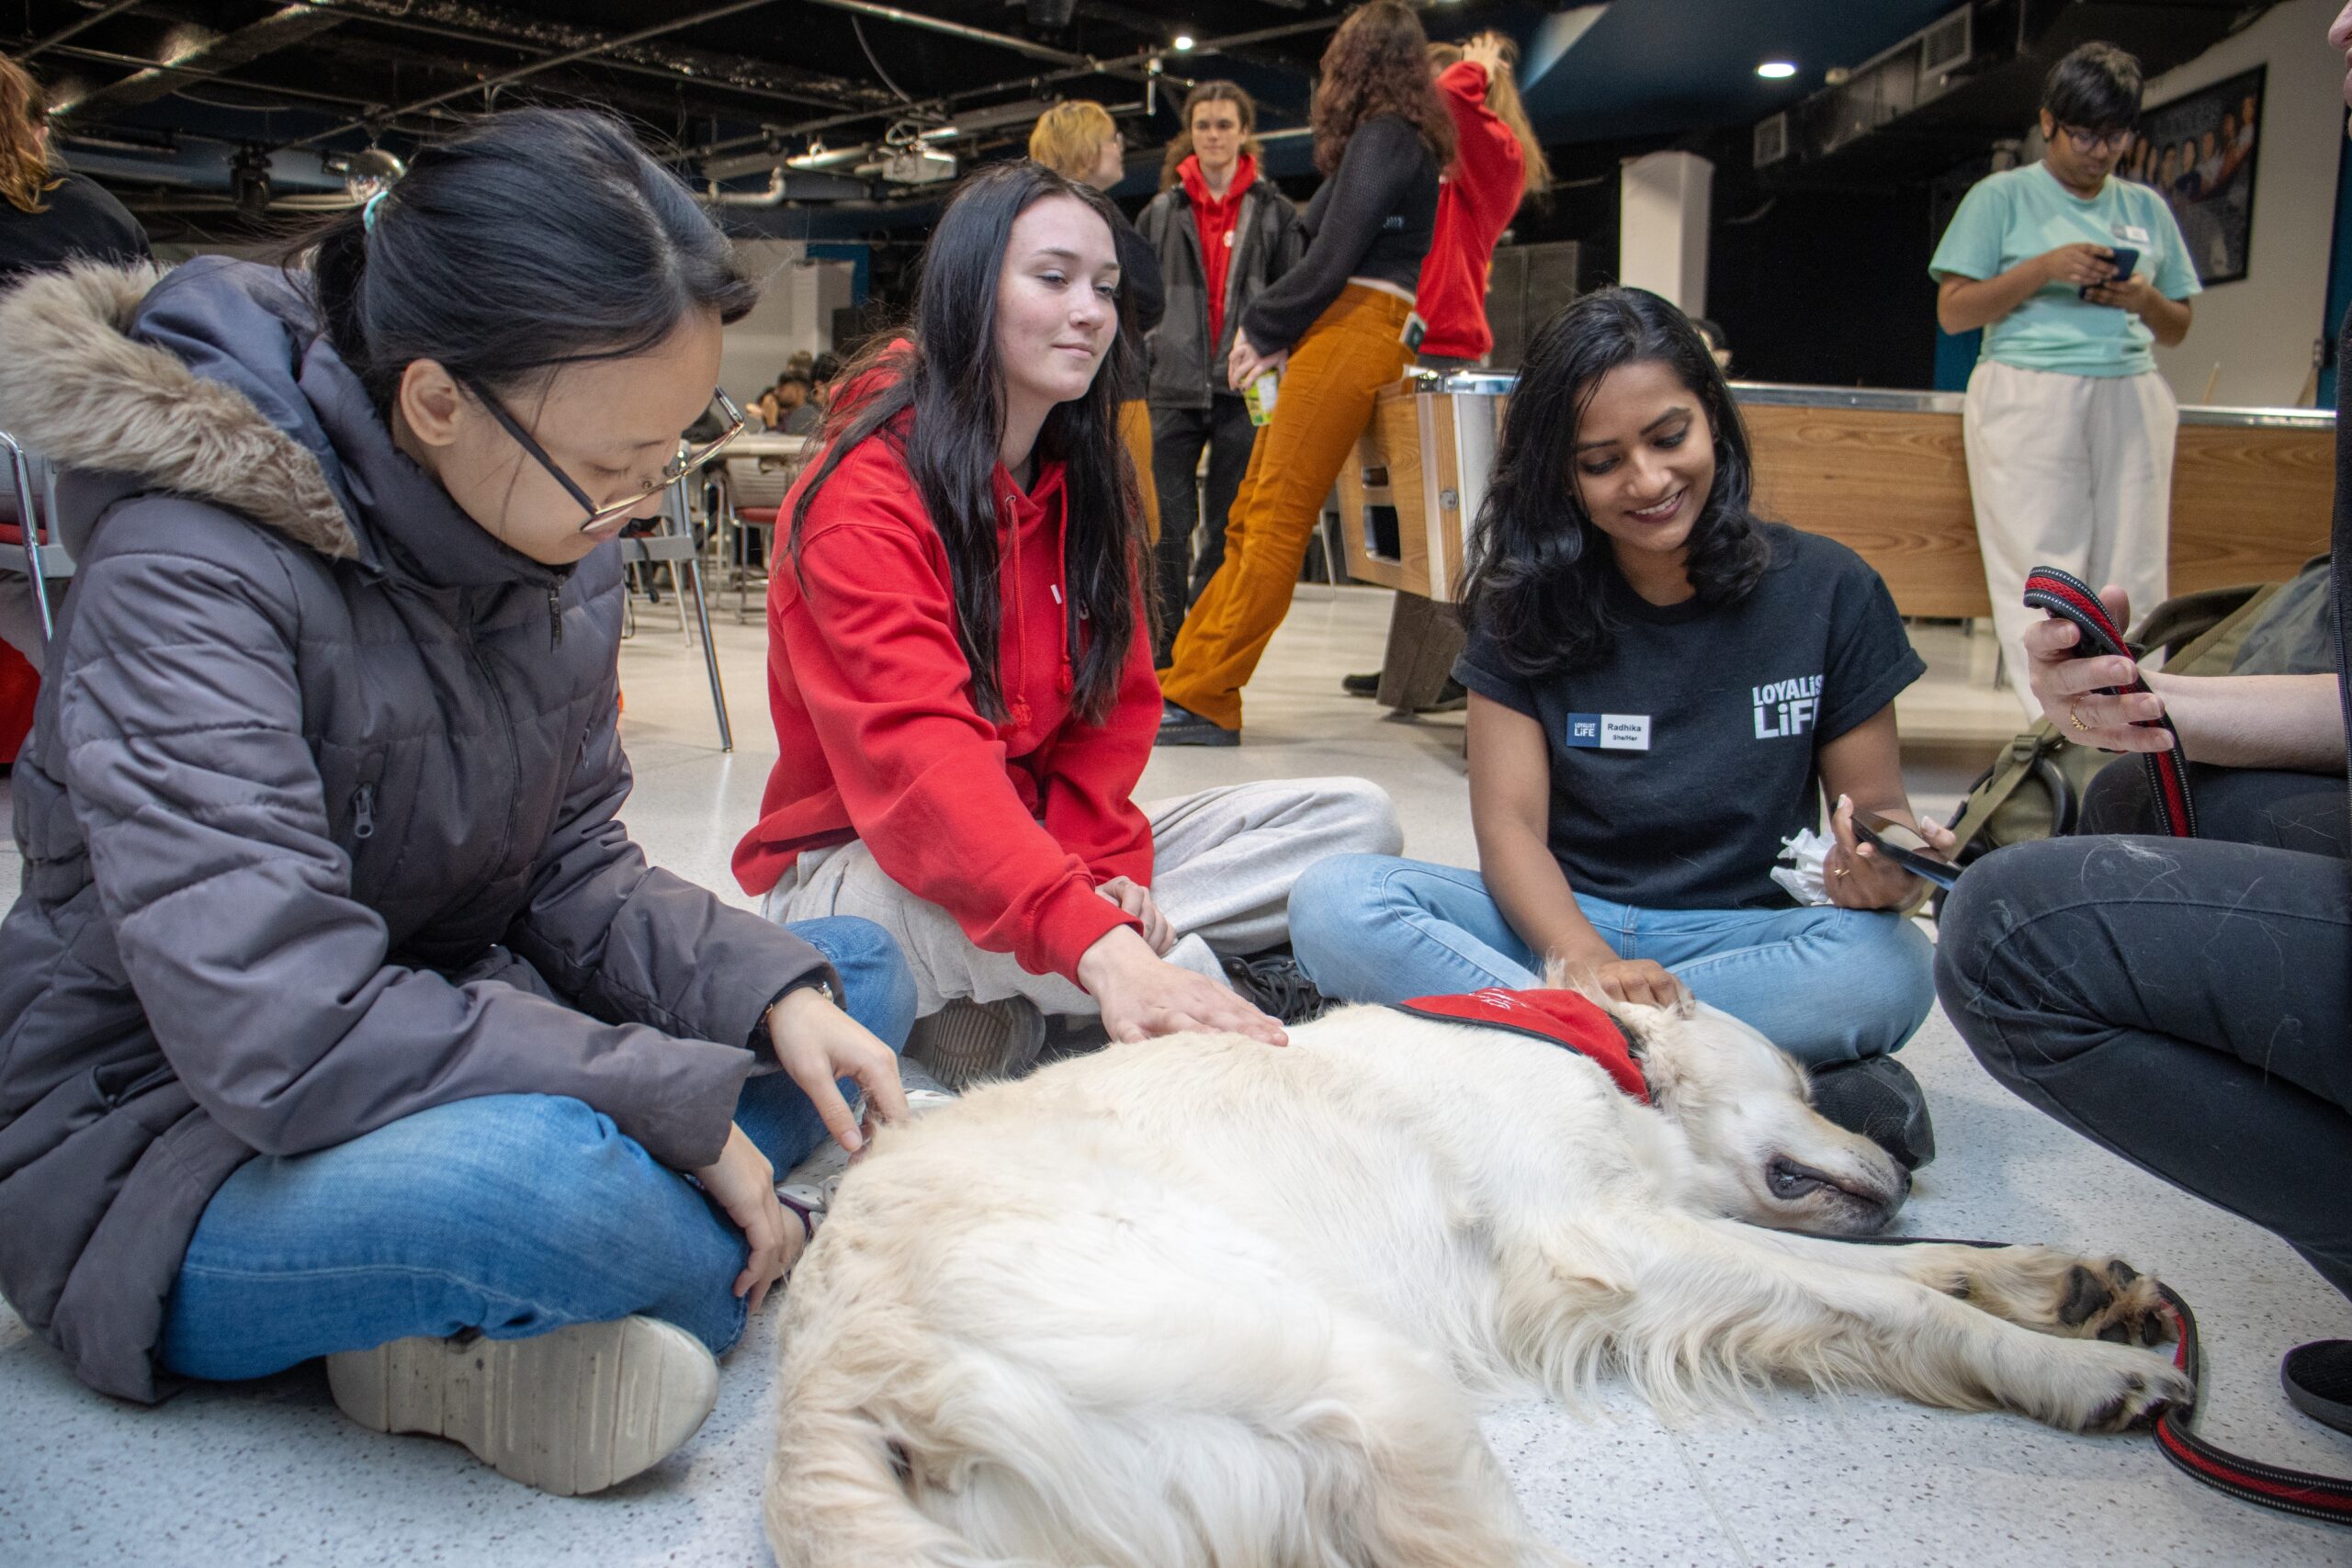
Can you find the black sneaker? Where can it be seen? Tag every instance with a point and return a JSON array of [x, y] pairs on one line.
[[1878, 1098], [2318, 1380], [1277, 987], [1360, 685], [1183, 727]]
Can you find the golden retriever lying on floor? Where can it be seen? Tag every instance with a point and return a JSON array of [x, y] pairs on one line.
[[1198, 1302]]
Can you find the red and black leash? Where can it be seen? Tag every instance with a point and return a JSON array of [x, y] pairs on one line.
[[2322, 1498], [2063, 593], [2326, 1498]]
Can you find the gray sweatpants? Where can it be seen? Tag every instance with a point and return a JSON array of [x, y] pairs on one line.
[[1223, 864]]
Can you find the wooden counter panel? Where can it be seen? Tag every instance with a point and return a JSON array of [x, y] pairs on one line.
[[1894, 487], [2249, 504]]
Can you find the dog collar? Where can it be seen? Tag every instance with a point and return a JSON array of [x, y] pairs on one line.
[[1556, 1018]]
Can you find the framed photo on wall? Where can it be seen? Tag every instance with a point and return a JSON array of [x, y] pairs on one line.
[[2198, 152]]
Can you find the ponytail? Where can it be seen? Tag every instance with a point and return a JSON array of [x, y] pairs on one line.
[[535, 239]]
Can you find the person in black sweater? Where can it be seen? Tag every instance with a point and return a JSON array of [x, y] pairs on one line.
[[1335, 329], [49, 215], [2182, 1001]]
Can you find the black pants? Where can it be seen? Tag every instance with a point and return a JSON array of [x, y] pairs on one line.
[[1177, 437], [2183, 1002]]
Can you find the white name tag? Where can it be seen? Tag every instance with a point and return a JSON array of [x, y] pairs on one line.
[[1609, 732], [2132, 232]]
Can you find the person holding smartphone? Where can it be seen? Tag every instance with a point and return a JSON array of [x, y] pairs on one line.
[[2182, 1001], [2074, 276], [1663, 689]]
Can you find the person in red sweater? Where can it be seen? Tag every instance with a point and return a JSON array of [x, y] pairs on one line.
[[960, 675], [1498, 165]]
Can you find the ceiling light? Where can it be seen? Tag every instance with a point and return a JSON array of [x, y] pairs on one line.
[[1776, 70], [1183, 42]]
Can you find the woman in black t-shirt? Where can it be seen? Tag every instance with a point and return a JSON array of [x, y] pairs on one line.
[[1662, 688]]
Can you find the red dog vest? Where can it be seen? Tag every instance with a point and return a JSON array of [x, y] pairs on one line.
[[1556, 1018]]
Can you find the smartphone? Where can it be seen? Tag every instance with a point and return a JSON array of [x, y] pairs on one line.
[[2127, 260], [1905, 847]]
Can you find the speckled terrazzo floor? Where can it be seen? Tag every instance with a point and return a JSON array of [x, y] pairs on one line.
[[270, 1474]]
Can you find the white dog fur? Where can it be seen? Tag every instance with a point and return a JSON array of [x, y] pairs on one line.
[[1201, 1304]]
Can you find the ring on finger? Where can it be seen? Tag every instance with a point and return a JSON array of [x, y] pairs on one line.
[[1840, 871], [2075, 720]]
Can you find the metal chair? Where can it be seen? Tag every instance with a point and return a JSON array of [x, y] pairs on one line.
[[675, 544], [755, 485], [46, 561]]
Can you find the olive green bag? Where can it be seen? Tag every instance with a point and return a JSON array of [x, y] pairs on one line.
[[2034, 790]]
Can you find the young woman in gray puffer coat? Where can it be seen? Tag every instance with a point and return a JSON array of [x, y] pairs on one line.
[[339, 1015]]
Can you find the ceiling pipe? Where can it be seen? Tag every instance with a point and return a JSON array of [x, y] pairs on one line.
[[102, 13], [1130, 62], [521, 72], [958, 29], [700, 68]]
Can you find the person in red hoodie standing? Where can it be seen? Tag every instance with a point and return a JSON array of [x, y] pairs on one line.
[[960, 675], [1223, 231], [1497, 165]]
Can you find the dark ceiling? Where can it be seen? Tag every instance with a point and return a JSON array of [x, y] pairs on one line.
[[181, 104], [162, 96]]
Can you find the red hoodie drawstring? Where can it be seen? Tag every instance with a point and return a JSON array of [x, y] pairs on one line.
[[1017, 709]]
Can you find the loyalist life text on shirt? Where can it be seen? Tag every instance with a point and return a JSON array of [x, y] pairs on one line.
[[1786, 707]]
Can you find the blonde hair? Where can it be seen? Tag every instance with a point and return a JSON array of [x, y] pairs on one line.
[[1502, 96], [24, 161], [1069, 136], [1180, 146]]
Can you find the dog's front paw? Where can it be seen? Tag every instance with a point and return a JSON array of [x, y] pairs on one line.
[[2125, 1391], [2081, 1298], [2110, 1299]]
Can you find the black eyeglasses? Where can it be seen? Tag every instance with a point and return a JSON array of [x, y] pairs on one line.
[[2090, 143], [678, 467]]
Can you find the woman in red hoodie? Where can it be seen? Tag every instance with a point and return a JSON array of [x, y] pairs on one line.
[[1497, 165], [960, 674]]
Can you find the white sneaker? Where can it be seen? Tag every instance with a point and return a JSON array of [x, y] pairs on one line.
[[809, 1186], [569, 1412]]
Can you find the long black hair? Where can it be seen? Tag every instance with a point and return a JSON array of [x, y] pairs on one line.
[[1540, 571], [533, 239], [945, 371]]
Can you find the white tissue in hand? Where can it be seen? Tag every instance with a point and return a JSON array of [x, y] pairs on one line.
[[1807, 851]]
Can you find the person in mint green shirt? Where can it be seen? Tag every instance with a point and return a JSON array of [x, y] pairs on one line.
[[2068, 426]]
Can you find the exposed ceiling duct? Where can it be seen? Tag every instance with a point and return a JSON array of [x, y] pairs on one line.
[[1971, 76]]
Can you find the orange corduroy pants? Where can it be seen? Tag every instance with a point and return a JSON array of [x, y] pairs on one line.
[[1134, 429], [1355, 350]]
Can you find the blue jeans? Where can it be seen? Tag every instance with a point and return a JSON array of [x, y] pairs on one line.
[[513, 1215], [1823, 984]]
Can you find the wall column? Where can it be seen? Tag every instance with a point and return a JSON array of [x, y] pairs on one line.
[[1665, 198]]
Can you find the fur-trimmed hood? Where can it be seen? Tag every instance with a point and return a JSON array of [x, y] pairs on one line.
[[80, 385], [214, 381]]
